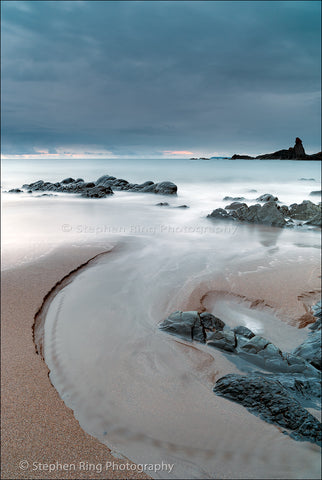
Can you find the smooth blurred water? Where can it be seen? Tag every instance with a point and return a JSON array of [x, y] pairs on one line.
[[32, 226]]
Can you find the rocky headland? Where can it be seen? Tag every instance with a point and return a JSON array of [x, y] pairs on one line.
[[287, 383], [101, 188], [292, 153]]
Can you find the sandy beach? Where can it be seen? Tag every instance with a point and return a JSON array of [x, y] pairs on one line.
[[36, 424]]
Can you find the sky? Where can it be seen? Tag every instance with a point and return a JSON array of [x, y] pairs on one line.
[[154, 79]]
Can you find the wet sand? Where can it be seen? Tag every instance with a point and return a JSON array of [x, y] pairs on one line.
[[36, 424]]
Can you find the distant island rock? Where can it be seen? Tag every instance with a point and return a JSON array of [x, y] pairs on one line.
[[293, 153]]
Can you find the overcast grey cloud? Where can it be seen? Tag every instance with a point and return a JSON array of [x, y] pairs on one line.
[[139, 78]]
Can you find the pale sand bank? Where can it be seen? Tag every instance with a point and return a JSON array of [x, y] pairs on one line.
[[36, 424]]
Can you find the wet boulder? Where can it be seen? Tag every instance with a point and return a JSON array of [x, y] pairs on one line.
[[221, 214], [268, 214], [186, 325], [68, 180], [224, 340], [235, 206], [272, 402], [306, 210], [211, 322], [165, 188], [244, 332], [191, 325]]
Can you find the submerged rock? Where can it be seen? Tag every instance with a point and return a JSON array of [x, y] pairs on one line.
[[267, 197], [233, 199], [268, 398]]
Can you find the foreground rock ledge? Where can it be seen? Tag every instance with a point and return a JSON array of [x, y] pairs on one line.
[[101, 188], [277, 397]]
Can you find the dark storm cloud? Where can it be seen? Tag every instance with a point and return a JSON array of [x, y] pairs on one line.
[[139, 77]]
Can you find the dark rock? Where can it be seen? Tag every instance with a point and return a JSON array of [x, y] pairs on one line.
[[268, 214], [211, 322], [15, 190], [310, 349], [105, 180], [47, 195], [298, 149], [244, 157], [317, 311], [293, 153], [166, 188], [235, 205], [307, 179], [224, 340], [271, 401], [91, 190], [315, 221], [316, 193], [145, 184], [220, 213], [244, 331], [267, 197], [98, 191], [314, 156], [88, 185], [285, 211], [182, 206], [186, 325], [233, 199], [306, 210], [68, 180], [162, 204], [191, 325]]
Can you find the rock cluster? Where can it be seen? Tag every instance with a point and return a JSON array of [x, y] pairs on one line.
[[270, 213], [293, 153], [101, 188], [276, 396]]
